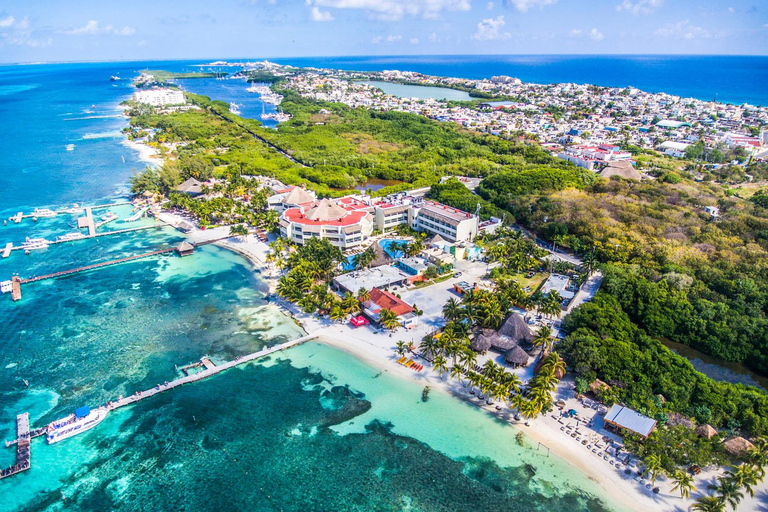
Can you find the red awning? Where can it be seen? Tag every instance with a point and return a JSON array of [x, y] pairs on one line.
[[359, 320]]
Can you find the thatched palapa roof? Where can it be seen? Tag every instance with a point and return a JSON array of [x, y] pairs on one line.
[[481, 343], [675, 419], [515, 328], [326, 210], [516, 355], [598, 385], [706, 430], [737, 445]]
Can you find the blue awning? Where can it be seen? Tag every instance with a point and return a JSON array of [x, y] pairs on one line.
[[82, 412]]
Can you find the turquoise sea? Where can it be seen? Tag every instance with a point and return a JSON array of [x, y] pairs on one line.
[[314, 430]]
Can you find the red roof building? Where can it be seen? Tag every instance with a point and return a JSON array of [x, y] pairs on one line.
[[380, 299], [343, 223]]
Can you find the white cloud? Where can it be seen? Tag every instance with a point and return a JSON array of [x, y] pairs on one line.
[[524, 5], [639, 6], [7, 22], [93, 28], [433, 36], [593, 34], [414, 40], [393, 10], [490, 30], [731, 10], [394, 39], [19, 33], [596, 35], [682, 30], [317, 15], [490, 6]]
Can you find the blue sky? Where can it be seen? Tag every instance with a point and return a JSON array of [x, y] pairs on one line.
[[166, 29]]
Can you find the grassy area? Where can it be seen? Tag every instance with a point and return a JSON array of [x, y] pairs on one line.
[[534, 283], [424, 284]]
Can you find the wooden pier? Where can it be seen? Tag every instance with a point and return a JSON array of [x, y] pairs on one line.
[[24, 435], [17, 281], [95, 266], [209, 370]]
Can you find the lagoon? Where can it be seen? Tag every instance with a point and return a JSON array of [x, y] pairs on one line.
[[421, 92]]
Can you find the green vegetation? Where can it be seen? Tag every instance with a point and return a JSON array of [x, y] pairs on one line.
[[603, 343], [163, 76]]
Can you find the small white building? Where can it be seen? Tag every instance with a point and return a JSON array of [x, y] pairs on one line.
[[159, 97]]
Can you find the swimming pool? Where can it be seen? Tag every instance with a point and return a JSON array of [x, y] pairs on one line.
[[387, 243]]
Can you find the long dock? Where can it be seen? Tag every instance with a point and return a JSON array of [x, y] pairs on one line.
[[95, 266], [24, 435], [209, 370]]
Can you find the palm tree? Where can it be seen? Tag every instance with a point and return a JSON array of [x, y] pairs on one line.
[[452, 310], [513, 381], [337, 314], [427, 345], [469, 358], [653, 466], [552, 363], [709, 504], [441, 365], [728, 492], [458, 372], [745, 477], [350, 304], [683, 483], [238, 230], [544, 339], [363, 294], [388, 319], [401, 347]]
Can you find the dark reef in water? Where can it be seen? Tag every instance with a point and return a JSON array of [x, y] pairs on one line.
[[258, 439]]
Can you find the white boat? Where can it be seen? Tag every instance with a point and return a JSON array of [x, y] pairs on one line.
[[43, 212], [277, 116], [32, 244], [83, 419], [70, 237], [70, 147], [234, 108]]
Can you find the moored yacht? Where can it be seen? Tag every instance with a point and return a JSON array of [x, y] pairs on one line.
[[81, 420], [44, 212], [234, 108], [70, 237], [32, 244]]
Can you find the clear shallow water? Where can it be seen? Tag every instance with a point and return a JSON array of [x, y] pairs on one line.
[[318, 431], [89, 338], [420, 92]]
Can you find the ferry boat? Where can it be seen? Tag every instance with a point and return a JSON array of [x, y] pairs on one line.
[[43, 212], [83, 419], [70, 237], [109, 217], [234, 108], [32, 244]]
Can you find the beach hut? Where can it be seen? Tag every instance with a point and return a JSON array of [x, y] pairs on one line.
[[675, 419], [481, 343], [706, 430], [515, 328], [737, 445], [185, 249], [516, 357], [598, 386]]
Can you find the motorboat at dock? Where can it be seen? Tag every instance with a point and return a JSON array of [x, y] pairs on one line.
[[81, 420]]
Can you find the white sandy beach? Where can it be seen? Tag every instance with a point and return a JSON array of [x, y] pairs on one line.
[[147, 154], [378, 350]]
